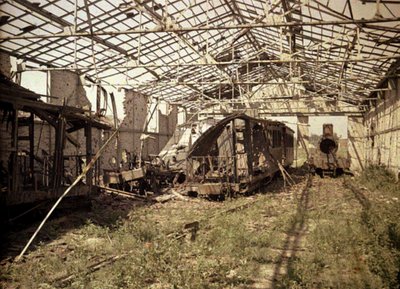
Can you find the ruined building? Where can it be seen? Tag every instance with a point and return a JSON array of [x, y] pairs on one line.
[[148, 71]]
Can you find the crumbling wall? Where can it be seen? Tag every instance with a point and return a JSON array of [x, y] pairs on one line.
[[166, 124], [132, 129], [302, 149], [135, 106], [68, 89], [382, 124], [5, 64], [67, 86]]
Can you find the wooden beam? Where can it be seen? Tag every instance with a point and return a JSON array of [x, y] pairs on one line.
[[46, 117], [14, 153], [88, 136], [58, 160], [31, 145]]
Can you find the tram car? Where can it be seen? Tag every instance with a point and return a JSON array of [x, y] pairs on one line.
[[236, 155], [325, 160]]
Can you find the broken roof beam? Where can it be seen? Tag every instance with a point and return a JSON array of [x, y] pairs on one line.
[[65, 24], [248, 32], [46, 117], [161, 21], [291, 39]]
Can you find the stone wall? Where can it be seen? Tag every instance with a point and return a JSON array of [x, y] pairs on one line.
[[67, 86]]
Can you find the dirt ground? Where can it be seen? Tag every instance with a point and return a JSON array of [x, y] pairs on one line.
[[318, 233]]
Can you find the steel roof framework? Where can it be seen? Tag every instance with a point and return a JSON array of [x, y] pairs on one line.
[[192, 51]]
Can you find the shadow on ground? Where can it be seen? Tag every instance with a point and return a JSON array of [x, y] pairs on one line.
[[298, 228], [102, 210]]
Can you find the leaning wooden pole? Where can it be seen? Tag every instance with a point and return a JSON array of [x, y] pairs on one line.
[[84, 172]]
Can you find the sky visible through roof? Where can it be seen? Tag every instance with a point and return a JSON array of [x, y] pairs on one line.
[[351, 82]]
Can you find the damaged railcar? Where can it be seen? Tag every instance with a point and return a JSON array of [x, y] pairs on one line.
[[170, 165], [237, 155], [232, 155]]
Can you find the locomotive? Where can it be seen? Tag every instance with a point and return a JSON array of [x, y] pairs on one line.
[[325, 160]]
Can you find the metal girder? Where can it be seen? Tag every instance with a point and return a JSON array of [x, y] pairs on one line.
[[288, 16], [214, 27], [64, 24], [317, 63], [278, 61], [33, 60]]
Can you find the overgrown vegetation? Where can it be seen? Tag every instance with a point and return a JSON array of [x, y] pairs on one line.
[[151, 252], [340, 233], [354, 238]]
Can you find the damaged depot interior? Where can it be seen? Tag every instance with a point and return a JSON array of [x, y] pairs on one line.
[[176, 105]]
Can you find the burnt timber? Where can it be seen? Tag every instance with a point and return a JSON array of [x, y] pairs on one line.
[[29, 177]]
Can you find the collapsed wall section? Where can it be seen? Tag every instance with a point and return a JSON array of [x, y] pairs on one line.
[[68, 88], [5, 64], [166, 128], [356, 143], [5, 127]]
